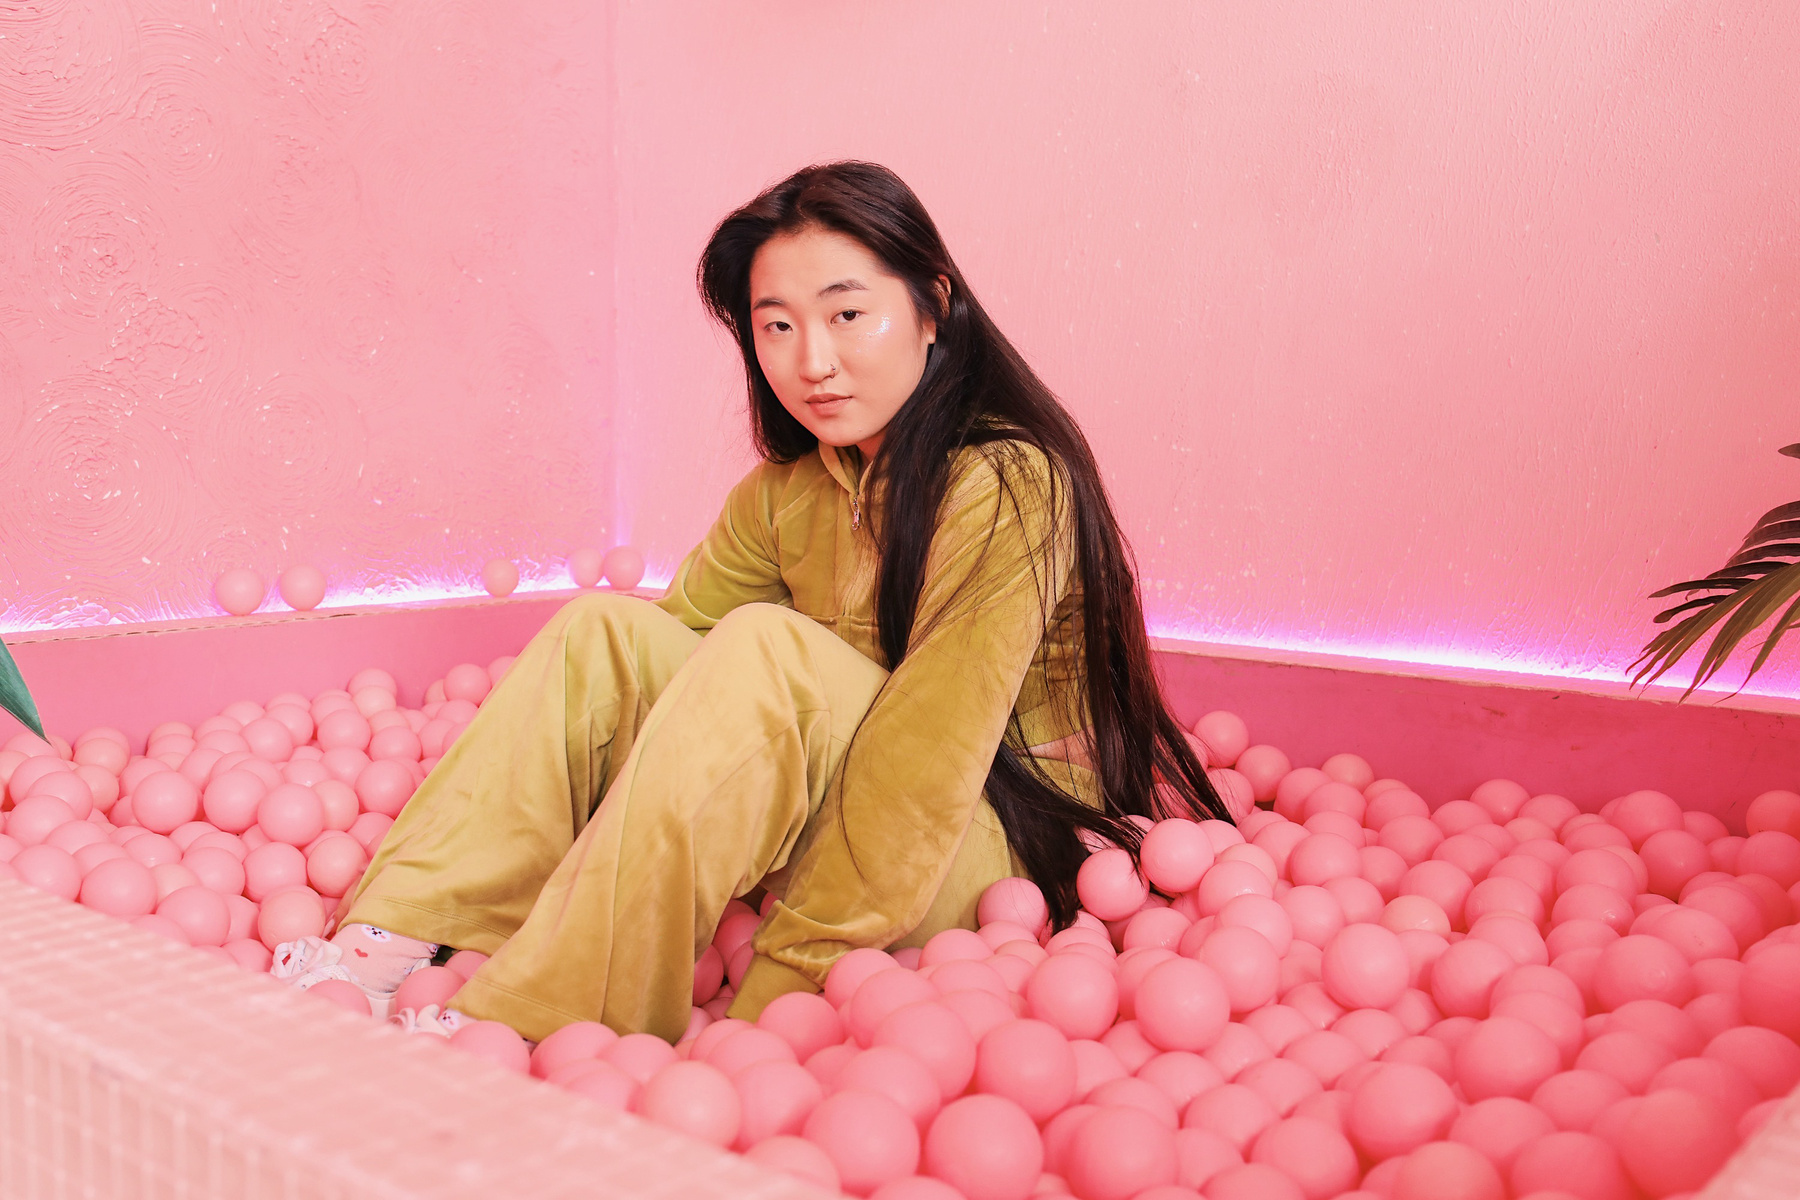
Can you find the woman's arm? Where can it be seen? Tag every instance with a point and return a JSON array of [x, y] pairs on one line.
[[736, 563], [894, 820]]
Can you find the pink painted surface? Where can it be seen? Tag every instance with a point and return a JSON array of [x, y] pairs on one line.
[[298, 282], [1442, 735], [1439, 333], [134, 1067]]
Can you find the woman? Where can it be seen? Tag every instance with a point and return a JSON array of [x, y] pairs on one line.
[[924, 668]]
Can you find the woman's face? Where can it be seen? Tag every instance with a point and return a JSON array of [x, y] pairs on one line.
[[836, 334]]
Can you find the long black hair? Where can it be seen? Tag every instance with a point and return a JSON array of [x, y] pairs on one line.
[[976, 390]]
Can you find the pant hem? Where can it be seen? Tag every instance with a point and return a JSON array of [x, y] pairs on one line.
[[533, 1019], [426, 924]]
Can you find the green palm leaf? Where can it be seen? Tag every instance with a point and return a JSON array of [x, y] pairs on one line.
[[14, 697], [1761, 578]]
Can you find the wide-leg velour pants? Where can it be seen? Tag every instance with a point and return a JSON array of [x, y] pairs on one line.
[[626, 779]]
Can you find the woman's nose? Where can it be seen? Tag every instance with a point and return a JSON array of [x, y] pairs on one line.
[[818, 358]]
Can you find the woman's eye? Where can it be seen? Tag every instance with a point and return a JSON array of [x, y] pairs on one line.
[[776, 327], [850, 314]]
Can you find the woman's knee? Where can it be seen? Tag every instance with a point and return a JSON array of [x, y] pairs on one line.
[[760, 621]]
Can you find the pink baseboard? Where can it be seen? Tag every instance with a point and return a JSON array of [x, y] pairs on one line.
[[1443, 733]]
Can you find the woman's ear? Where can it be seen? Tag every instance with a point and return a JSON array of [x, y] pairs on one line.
[[943, 291]]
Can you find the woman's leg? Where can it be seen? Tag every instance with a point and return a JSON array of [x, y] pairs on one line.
[[715, 794], [464, 862]]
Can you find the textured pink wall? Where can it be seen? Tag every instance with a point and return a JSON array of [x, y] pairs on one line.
[[1444, 336], [292, 281], [1444, 332]]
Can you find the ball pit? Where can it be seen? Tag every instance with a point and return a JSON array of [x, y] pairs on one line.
[[1348, 994]]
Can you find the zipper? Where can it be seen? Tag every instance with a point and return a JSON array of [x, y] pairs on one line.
[[855, 512]]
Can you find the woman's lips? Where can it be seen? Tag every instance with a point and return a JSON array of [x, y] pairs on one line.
[[828, 406]]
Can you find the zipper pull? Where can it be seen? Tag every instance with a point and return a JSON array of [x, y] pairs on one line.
[[855, 512]]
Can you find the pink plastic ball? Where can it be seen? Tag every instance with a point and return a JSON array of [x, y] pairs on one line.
[[1110, 886], [271, 868], [1505, 1056], [1176, 854], [72, 788], [869, 1138], [1182, 1005], [164, 801], [1768, 992], [1398, 1108], [341, 993], [1448, 1171], [121, 887], [935, 1036], [200, 912], [240, 591], [36, 818], [334, 864], [584, 567], [1312, 1153], [231, 800], [881, 994], [343, 729], [290, 915], [1674, 1141], [805, 1020], [623, 567], [291, 813], [1769, 1059], [499, 1045], [1640, 967], [986, 1147], [1365, 966], [384, 787], [48, 870], [1074, 993], [269, 739], [1322, 857], [433, 985], [1225, 736], [302, 587], [499, 577], [1029, 1062], [1463, 978], [577, 1041], [1016, 900], [1265, 767], [1119, 1152], [1501, 799], [1573, 1164]]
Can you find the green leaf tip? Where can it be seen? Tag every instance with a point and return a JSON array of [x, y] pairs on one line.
[[14, 697]]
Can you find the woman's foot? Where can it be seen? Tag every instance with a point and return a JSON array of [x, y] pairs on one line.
[[372, 959]]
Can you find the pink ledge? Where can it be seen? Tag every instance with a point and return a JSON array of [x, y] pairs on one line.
[[1442, 730]]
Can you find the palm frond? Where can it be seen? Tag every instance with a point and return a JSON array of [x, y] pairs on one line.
[[1780, 529], [1709, 584], [1775, 516], [1761, 601], [1788, 620], [1761, 576], [1663, 617], [15, 698]]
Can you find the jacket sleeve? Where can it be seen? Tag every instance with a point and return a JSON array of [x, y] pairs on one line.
[[736, 563], [910, 783]]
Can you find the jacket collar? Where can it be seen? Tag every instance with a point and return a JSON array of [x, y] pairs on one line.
[[844, 465]]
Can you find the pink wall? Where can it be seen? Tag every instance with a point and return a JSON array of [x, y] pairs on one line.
[[302, 281], [1440, 332], [1443, 337]]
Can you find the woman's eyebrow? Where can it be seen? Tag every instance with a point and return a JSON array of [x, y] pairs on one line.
[[830, 289]]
